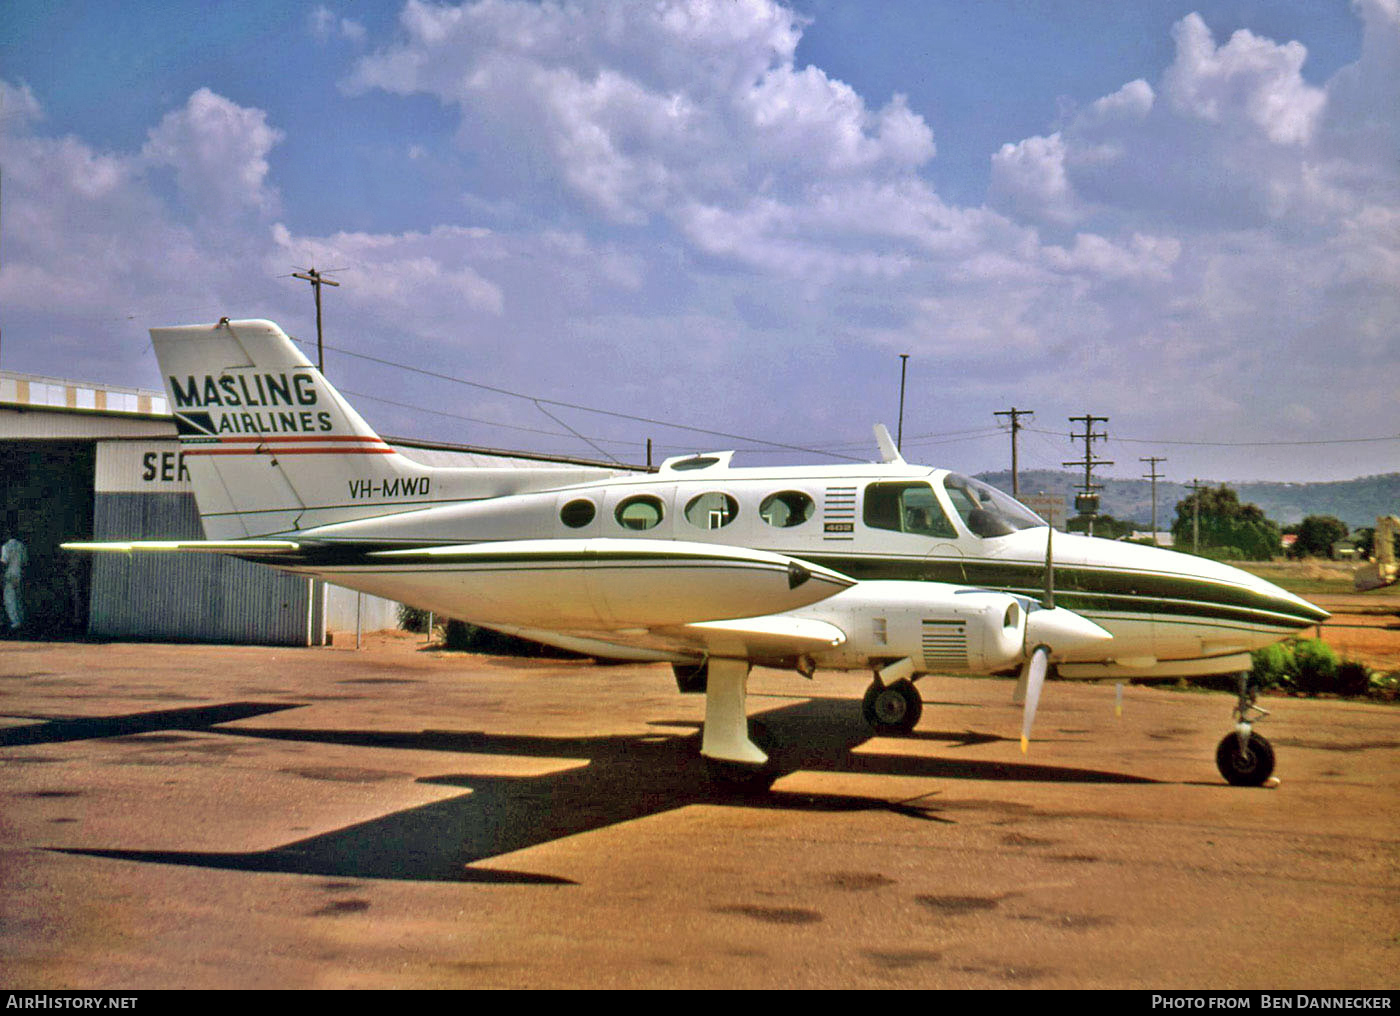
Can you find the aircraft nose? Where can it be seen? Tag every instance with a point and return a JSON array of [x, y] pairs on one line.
[[1062, 630], [1290, 602]]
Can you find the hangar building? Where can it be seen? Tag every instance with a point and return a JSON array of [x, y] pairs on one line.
[[89, 462]]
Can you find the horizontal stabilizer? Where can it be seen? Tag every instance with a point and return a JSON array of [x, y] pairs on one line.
[[188, 546]]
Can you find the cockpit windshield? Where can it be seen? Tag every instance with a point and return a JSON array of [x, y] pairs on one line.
[[985, 510]]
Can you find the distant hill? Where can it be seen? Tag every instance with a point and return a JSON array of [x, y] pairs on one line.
[[1355, 502]]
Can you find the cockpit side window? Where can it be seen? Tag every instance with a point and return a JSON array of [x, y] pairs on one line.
[[906, 507], [986, 511]]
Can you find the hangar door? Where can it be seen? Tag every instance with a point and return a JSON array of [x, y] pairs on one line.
[[46, 492]]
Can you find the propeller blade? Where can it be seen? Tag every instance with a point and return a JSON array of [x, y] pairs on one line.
[[1033, 677]]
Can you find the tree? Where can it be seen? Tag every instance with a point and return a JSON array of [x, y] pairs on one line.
[[1316, 534], [1105, 526], [1227, 527]]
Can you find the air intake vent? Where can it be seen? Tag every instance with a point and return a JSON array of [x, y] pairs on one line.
[[945, 644], [839, 514]]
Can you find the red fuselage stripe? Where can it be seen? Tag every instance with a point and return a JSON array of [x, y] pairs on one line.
[[290, 439], [289, 451]]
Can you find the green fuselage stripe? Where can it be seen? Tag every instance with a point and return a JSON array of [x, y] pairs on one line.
[[1090, 590]]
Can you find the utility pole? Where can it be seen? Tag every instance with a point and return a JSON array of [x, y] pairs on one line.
[[1015, 415], [1086, 503], [317, 280], [1196, 516], [1154, 476], [899, 435]]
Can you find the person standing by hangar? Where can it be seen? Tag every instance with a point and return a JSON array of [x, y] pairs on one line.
[[13, 558]]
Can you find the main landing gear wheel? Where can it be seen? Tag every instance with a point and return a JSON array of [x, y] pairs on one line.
[[1247, 765], [893, 708]]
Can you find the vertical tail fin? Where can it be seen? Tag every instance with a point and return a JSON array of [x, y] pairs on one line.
[[270, 445]]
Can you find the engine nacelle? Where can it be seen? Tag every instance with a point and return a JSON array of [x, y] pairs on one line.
[[942, 628]]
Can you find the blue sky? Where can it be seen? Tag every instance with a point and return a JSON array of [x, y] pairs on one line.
[[735, 215]]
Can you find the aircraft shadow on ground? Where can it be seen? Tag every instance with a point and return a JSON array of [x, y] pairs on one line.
[[626, 777], [54, 731]]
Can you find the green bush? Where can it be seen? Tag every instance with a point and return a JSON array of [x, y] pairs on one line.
[[1353, 678], [1312, 667], [462, 636], [1384, 686], [1274, 667], [1316, 665], [413, 619]]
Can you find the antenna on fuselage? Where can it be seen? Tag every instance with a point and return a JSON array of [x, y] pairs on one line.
[[889, 451]]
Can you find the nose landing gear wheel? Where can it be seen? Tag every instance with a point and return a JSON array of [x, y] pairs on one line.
[[893, 708], [1247, 766]]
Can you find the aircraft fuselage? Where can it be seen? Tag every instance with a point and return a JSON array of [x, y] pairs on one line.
[[1169, 613]]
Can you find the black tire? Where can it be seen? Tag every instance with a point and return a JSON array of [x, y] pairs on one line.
[[893, 709], [692, 678], [1248, 768]]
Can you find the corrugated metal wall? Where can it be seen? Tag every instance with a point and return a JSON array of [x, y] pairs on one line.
[[201, 597], [346, 608]]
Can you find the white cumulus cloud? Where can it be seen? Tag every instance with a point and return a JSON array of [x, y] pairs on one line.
[[218, 151]]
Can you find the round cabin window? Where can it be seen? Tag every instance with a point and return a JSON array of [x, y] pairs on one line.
[[642, 511], [711, 511], [577, 514], [786, 508]]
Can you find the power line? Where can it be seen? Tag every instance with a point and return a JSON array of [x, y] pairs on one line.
[[1236, 444], [480, 420], [590, 409], [934, 437]]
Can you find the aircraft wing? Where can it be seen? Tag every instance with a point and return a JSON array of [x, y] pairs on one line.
[[188, 546], [623, 598], [774, 637]]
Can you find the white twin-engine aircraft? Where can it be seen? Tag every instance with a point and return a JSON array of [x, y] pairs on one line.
[[899, 569]]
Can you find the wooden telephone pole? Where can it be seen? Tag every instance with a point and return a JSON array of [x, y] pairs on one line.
[[1015, 415], [1154, 476], [1087, 502], [317, 280]]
